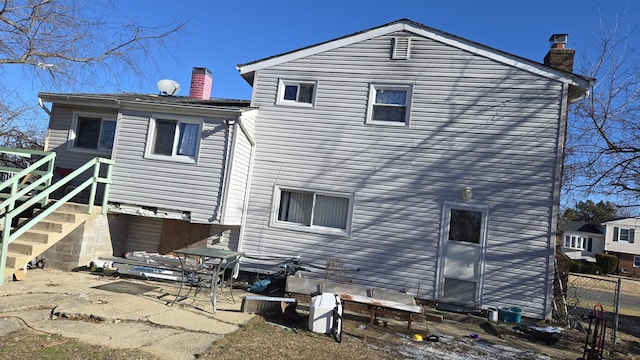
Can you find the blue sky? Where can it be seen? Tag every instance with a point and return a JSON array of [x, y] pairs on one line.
[[222, 34]]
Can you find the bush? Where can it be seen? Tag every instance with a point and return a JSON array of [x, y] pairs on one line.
[[608, 263], [584, 267]]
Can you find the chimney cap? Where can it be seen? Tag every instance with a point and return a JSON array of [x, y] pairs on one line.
[[558, 40]]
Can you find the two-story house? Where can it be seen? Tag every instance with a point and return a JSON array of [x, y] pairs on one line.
[[620, 241], [428, 162]]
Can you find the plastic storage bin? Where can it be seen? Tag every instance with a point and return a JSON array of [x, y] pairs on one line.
[[321, 312], [510, 314]]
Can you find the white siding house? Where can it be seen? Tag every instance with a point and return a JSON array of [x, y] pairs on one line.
[[429, 163], [621, 240], [422, 161], [582, 241]]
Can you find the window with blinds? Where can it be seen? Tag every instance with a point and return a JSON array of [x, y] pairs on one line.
[[313, 210]]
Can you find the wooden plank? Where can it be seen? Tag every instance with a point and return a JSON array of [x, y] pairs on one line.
[[381, 303]]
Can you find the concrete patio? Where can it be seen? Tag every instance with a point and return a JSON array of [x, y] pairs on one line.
[[119, 312]]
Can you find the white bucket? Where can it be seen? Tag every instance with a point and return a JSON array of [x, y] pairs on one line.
[[492, 314]]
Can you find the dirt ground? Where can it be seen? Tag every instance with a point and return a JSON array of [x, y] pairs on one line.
[[464, 337], [280, 336]]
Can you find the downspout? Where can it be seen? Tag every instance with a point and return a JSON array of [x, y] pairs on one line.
[[245, 205], [230, 150], [45, 146], [556, 191]]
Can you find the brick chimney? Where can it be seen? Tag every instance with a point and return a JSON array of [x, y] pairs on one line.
[[201, 81], [558, 56]]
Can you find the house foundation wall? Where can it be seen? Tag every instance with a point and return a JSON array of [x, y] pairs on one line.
[[100, 235], [625, 266]]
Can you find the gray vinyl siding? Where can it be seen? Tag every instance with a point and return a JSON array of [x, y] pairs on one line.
[[166, 184], [474, 122], [239, 170]]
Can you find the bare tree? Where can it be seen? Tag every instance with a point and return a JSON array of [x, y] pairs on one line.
[[68, 44], [603, 140]]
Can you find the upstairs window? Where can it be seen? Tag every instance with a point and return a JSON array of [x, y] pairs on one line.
[[298, 93], [174, 139], [315, 211], [623, 235], [389, 104], [93, 133]]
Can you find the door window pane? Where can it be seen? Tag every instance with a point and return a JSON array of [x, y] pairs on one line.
[[465, 225]]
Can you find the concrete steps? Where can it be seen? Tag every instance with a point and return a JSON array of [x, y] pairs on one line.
[[43, 235]]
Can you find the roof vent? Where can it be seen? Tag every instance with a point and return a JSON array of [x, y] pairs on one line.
[[400, 48], [168, 87]]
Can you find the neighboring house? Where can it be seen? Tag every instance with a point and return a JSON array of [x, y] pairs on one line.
[[620, 241], [181, 162], [429, 163], [581, 240]]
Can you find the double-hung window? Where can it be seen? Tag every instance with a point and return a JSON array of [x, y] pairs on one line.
[[389, 104], [315, 211], [176, 139], [93, 133], [297, 93], [622, 234]]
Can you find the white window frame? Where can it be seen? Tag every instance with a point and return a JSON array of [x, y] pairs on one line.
[[575, 242], [283, 83], [151, 136], [636, 261], [311, 228], [373, 87], [73, 132], [617, 234]]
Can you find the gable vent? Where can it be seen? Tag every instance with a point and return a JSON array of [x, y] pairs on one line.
[[400, 48]]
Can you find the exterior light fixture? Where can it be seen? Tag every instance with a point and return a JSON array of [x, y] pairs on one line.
[[466, 194]]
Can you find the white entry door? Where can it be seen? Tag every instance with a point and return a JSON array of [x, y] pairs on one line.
[[462, 243]]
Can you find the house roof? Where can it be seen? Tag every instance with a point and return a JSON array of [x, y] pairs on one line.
[[623, 220], [248, 70], [116, 100], [582, 226]]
